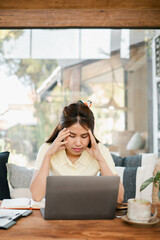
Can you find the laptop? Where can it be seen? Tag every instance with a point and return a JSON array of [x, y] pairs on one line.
[[80, 197]]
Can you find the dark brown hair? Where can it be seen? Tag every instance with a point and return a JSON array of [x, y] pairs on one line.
[[74, 113]]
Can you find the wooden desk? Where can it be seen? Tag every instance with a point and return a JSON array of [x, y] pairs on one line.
[[34, 227]]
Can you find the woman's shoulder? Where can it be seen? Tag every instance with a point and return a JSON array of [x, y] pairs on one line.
[[44, 146], [102, 147]]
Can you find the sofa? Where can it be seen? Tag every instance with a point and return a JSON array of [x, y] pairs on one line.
[[133, 171]]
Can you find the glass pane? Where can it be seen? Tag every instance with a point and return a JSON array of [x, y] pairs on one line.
[[42, 70]]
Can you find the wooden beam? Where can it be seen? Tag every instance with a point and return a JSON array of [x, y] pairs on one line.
[[76, 13], [77, 4], [79, 18]]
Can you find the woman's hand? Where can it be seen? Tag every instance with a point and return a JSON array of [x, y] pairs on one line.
[[94, 150], [59, 142]]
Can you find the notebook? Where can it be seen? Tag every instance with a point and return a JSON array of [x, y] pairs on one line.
[[22, 203], [80, 197]]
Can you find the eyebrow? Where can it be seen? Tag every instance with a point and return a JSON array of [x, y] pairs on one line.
[[81, 134]]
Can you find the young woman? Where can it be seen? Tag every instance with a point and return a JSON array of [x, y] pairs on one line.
[[72, 149]]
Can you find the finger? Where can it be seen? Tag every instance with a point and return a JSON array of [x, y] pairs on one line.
[[64, 130], [63, 143], [87, 149], [93, 141], [62, 136], [62, 147]]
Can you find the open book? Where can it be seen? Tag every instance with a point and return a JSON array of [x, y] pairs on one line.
[[22, 203]]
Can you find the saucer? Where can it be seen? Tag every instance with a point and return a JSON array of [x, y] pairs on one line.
[[125, 218]]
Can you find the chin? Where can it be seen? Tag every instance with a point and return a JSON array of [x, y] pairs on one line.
[[78, 153]]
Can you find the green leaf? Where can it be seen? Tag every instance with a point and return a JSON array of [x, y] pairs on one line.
[[155, 184], [157, 176], [146, 183], [159, 194]]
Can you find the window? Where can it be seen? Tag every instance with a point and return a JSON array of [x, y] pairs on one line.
[[44, 69]]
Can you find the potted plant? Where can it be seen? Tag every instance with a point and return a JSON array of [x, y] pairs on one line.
[[156, 181]]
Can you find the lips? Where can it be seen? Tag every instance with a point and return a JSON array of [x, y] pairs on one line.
[[77, 149]]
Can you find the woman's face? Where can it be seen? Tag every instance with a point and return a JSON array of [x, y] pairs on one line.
[[78, 140]]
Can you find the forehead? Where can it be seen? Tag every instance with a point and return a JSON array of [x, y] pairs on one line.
[[77, 129]]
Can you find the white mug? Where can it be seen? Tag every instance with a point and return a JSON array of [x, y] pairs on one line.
[[139, 210]]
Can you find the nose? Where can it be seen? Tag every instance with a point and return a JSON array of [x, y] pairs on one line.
[[78, 141]]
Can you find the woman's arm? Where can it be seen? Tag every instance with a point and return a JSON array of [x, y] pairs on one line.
[[105, 171], [104, 168], [38, 183]]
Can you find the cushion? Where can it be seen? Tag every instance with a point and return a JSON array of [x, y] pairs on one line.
[[136, 142], [131, 186], [19, 177], [20, 193], [4, 189], [134, 170]]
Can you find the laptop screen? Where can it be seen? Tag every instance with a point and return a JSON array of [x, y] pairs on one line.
[[81, 197]]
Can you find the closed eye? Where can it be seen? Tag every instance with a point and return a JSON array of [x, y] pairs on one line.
[[72, 136], [85, 136]]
